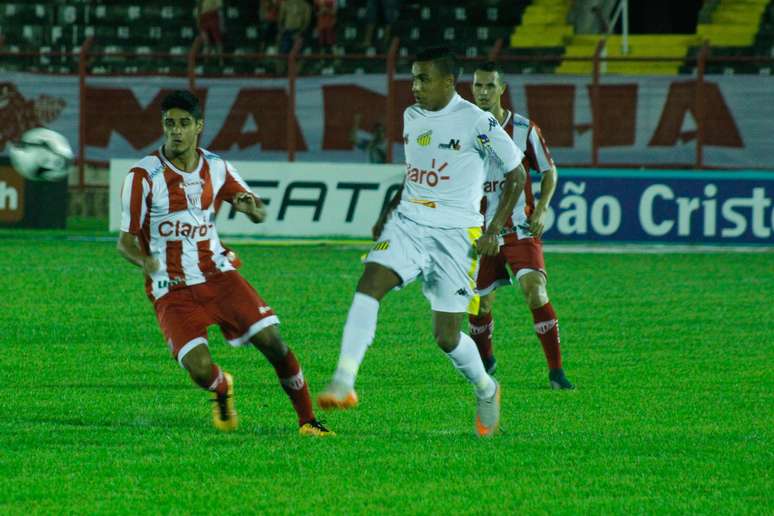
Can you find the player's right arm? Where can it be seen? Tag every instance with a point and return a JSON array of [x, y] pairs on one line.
[[134, 193], [376, 231], [129, 248], [505, 156]]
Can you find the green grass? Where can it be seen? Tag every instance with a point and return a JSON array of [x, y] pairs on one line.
[[673, 413]]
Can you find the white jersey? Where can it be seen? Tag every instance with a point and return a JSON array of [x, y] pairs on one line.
[[529, 139], [446, 152], [172, 213]]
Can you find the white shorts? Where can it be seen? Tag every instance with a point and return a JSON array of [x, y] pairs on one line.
[[446, 258]]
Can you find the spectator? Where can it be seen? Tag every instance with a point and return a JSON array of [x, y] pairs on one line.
[[375, 145], [326, 23], [294, 18], [268, 14], [383, 13], [209, 22]]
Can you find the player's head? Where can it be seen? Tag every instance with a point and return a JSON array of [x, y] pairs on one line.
[[181, 119], [488, 86], [434, 75]]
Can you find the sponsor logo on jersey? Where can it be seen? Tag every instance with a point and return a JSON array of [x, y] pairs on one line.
[[430, 177], [264, 309], [423, 202], [382, 246], [493, 123], [178, 229], [462, 292], [162, 284], [484, 140], [453, 145], [425, 138]]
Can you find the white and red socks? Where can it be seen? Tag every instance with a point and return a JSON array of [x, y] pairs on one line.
[[547, 329], [481, 328], [291, 378], [467, 361], [359, 332]]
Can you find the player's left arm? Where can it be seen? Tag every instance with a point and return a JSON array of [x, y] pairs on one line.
[[489, 244], [541, 157], [236, 191]]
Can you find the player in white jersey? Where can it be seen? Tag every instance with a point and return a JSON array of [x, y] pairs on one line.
[[434, 232], [522, 250], [169, 201]]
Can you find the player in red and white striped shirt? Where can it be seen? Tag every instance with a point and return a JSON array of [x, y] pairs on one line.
[[522, 248], [169, 201]]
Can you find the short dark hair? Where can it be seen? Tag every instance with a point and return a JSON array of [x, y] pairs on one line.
[[443, 59], [184, 100], [491, 66]]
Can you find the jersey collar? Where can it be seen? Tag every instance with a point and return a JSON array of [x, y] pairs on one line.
[[447, 108]]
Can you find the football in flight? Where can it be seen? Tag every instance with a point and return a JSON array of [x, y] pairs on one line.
[[42, 155]]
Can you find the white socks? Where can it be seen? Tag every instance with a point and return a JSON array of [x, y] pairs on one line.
[[359, 332], [466, 359]]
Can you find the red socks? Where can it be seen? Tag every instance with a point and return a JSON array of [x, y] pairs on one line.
[[547, 329], [215, 383], [292, 380], [481, 327]]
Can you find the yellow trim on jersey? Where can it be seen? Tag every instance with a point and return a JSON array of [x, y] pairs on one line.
[[475, 302], [424, 202], [381, 246]]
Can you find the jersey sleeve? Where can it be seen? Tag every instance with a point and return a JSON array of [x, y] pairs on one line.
[[537, 150], [134, 194], [233, 185], [494, 144]]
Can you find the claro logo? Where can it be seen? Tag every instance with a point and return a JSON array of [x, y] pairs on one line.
[[178, 229]]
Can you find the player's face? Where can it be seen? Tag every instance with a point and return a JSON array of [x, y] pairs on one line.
[[180, 131], [430, 88], [487, 89]]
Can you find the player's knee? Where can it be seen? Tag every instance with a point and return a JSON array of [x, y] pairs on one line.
[[447, 340], [269, 342], [534, 287], [486, 304], [537, 296], [198, 363]]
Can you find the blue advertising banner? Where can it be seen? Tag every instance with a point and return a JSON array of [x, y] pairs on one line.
[[662, 206]]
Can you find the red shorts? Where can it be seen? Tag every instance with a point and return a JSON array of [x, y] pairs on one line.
[[226, 299], [209, 25], [518, 255]]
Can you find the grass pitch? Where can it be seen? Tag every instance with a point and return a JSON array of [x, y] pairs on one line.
[[673, 413]]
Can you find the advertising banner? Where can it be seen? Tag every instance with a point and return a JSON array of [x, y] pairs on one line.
[[324, 199], [641, 120]]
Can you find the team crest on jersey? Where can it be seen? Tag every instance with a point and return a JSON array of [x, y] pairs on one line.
[[425, 138], [453, 145], [382, 246], [484, 140]]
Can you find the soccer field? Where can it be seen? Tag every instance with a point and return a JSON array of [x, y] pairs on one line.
[[671, 354]]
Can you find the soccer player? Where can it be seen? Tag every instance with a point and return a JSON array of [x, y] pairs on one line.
[[167, 229], [522, 250], [435, 230]]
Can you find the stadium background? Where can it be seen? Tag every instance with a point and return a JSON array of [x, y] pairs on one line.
[[670, 348]]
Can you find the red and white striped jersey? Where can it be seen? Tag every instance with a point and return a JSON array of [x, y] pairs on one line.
[[172, 213], [527, 136]]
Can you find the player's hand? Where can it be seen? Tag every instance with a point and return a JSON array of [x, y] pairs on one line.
[[150, 265], [247, 203], [536, 223], [488, 245]]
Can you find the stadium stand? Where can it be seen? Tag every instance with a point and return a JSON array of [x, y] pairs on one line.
[[539, 29]]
